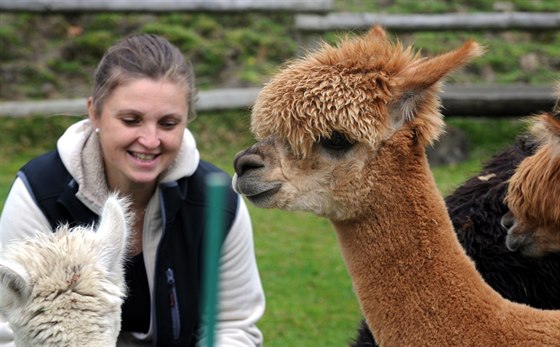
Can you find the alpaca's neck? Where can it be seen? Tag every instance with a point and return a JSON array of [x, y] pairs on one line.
[[411, 275]]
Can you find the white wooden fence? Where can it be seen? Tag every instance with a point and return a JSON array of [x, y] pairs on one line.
[[468, 101], [526, 21], [165, 5]]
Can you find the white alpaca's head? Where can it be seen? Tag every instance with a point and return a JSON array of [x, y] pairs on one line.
[[66, 288]]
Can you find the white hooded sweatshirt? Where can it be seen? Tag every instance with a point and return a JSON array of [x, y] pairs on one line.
[[241, 298]]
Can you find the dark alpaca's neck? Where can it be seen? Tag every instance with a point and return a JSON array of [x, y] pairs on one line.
[[413, 280]]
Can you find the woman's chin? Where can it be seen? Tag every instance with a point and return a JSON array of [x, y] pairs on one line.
[[144, 178]]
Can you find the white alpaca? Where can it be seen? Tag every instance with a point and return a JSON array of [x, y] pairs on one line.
[[66, 288]]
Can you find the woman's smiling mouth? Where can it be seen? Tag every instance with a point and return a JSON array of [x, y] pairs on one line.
[[143, 156]]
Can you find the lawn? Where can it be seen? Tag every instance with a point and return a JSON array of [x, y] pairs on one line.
[[310, 301]]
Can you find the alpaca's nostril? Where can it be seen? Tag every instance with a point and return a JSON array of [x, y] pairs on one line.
[[507, 220], [245, 162]]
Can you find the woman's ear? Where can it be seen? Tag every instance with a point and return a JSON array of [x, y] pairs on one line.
[[91, 112]]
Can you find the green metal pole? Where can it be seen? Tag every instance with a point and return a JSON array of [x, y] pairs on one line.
[[215, 187]]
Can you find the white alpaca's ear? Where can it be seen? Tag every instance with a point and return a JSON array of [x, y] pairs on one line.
[[113, 232], [14, 285]]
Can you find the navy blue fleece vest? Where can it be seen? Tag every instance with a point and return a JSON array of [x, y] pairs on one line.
[[179, 258]]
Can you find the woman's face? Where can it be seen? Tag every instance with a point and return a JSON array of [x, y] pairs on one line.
[[141, 128]]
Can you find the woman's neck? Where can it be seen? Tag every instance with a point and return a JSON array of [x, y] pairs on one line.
[[139, 196]]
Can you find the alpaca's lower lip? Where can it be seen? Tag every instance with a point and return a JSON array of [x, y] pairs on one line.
[[253, 187], [269, 192], [263, 198]]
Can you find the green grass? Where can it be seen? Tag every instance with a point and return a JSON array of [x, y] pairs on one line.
[[310, 301]]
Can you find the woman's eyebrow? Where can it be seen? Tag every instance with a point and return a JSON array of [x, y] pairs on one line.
[[129, 111]]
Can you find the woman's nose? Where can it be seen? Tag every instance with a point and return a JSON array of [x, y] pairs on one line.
[[149, 137]]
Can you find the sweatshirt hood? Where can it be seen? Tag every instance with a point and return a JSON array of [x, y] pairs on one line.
[[80, 151]]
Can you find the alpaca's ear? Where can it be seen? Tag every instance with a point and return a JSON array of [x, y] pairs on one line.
[[377, 32], [14, 285], [113, 231], [545, 129], [556, 108], [420, 80]]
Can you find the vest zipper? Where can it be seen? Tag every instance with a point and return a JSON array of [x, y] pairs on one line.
[[173, 304]]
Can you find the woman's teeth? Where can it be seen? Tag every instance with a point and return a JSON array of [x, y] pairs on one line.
[[143, 156]]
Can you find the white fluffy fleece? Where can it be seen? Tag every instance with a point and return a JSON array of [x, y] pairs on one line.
[[66, 288]]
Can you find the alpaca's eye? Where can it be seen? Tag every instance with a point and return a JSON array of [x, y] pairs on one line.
[[337, 141]]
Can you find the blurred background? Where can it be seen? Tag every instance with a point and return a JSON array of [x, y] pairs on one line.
[[51, 55]]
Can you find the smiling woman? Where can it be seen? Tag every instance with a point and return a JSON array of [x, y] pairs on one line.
[[140, 131], [135, 142]]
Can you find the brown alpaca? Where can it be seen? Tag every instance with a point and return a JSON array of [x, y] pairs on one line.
[[533, 195], [342, 134]]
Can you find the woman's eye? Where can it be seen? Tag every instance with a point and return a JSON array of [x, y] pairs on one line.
[[170, 124], [130, 121], [337, 141]]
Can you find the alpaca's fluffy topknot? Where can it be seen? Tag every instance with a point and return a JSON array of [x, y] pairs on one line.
[[345, 88], [365, 88]]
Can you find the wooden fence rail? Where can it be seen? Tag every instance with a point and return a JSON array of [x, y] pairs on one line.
[[212, 100], [165, 5], [528, 21], [465, 101]]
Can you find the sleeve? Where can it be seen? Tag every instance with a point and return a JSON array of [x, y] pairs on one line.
[[20, 218], [241, 297]]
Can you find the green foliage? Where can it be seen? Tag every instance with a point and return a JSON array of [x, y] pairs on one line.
[[230, 50], [489, 135], [118, 23], [24, 138], [196, 48], [65, 66], [38, 76], [8, 43], [182, 36], [421, 6], [30, 134], [89, 47]]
